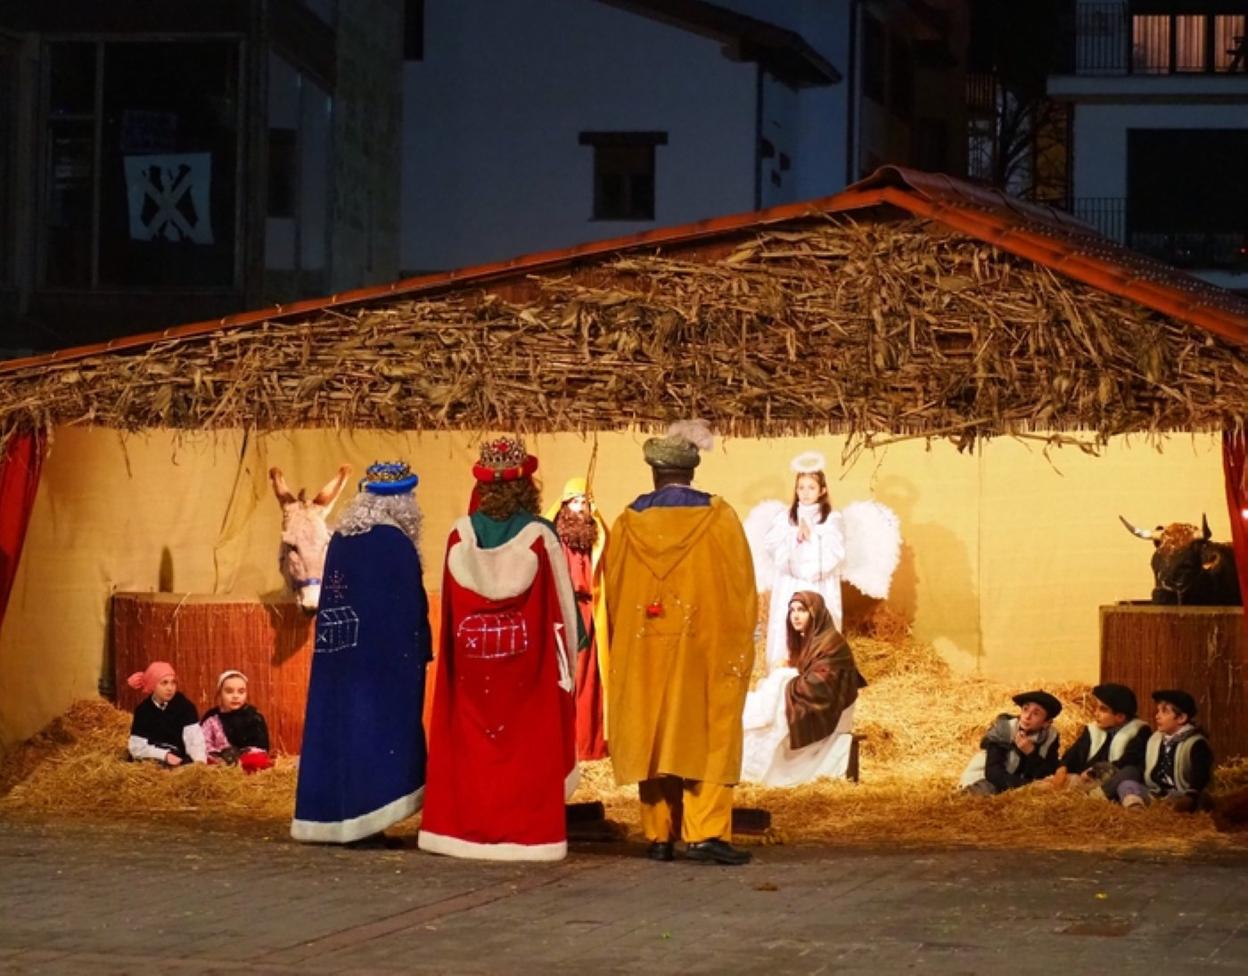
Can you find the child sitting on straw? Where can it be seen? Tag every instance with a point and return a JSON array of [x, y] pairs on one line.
[[1178, 760], [166, 726], [234, 731], [1017, 749], [1115, 740]]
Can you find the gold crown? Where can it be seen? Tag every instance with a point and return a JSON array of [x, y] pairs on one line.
[[502, 453]]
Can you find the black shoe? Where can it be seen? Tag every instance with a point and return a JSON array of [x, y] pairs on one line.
[[716, 851], [661, 850]]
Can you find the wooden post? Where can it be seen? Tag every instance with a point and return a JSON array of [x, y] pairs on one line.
[[1199, 649]]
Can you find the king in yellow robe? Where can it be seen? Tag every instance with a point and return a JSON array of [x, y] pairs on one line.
[[683, 608]]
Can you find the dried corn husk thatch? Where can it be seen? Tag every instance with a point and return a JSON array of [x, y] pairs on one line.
[[831, 326], [921, 724]]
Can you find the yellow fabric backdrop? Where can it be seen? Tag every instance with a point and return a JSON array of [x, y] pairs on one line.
[[1006, 556]]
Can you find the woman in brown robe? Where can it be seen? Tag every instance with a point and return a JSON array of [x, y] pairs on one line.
[[798, 720]]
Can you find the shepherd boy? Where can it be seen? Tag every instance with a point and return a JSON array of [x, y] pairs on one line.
[[1017, 749], [1115, 740], [1178, 760]]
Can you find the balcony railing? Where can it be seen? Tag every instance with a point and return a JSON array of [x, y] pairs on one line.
[[1109, 39], [1185, 248]]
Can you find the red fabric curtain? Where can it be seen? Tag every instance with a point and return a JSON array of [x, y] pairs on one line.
[[1233, 450], [19, 477]]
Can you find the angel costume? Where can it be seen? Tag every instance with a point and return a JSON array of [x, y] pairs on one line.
[[799, 719], [862, 545]]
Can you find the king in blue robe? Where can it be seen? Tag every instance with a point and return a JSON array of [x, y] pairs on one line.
[[362, 765]]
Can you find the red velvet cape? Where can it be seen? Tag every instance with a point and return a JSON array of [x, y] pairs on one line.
[[502, 733]]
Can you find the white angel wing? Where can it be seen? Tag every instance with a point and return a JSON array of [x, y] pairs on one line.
[[872, 547], [762, 516]]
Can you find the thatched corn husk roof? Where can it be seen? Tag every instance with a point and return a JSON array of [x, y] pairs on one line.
[[822, 325]]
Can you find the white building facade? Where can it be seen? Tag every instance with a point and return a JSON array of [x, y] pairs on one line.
[[542, 124], [1159, 136]]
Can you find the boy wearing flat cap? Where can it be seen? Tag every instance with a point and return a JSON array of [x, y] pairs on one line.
[[1017, 749], [1114, 740], [1178, 760]]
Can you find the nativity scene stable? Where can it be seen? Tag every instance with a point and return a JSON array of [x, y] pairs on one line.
[[1003, 379]]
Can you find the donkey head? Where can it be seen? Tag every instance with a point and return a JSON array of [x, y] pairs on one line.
[[305, 537]]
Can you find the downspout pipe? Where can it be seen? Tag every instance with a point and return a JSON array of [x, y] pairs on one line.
[[851, 96]]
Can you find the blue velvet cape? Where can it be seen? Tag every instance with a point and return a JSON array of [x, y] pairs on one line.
[[362, 766]]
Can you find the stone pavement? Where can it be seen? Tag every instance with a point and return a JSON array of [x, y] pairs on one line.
[[120, 898]]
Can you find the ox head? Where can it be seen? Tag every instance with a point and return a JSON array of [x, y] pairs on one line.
[[1187, 566], [305, 536]]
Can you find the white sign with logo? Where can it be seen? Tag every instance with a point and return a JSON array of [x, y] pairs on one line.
[[169, 197]]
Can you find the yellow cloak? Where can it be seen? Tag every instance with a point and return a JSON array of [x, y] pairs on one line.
[[680, 585]]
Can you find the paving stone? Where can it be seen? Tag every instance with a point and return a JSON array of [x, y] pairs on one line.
[[124, 898]]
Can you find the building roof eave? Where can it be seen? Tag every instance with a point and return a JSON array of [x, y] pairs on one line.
[[788, 55]]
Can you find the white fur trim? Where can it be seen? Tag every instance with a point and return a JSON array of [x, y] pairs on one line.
[[357, 828], [808, 462], [567, 608], [566, 681], [455, 847], [499, 573]]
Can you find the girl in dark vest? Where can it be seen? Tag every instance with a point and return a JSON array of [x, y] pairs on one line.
[[234, 731], [166, 726]]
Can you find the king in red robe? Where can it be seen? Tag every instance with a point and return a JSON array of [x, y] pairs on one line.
[[502, 757], [583, 534]]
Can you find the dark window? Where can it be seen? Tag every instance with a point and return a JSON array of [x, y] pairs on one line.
[[1200, 220], [70, 173], [140, 177], [931, 145], [901, 78], [8, 112], [872, 58], [283, 172], [413, 30], [623, 173]]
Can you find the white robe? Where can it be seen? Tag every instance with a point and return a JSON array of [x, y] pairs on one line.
[[766, 757], [811, 565]]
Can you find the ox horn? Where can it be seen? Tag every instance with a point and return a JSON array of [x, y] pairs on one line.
[[1142, 533], [1204, 527]]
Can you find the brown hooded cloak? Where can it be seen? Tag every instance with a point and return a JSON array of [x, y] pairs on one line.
[[827, 679]]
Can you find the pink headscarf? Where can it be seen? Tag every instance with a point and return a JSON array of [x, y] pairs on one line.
[[146, 681]]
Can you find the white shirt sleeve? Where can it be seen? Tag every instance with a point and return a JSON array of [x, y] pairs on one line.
[[140, 748], [193, 739]]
